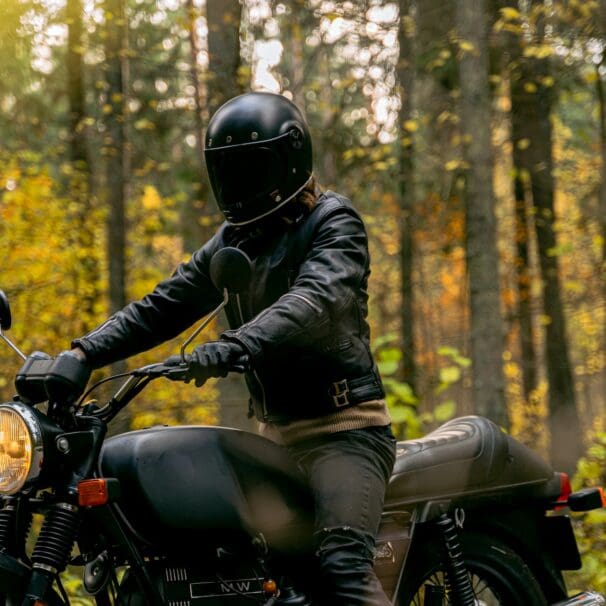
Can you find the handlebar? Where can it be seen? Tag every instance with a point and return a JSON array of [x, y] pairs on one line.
[[62, 380]]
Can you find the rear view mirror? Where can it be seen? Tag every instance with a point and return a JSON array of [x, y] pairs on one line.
[[5, 312], [5, 323], [231, 270]]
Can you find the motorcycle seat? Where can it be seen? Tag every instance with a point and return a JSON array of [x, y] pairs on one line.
[[465, 455]]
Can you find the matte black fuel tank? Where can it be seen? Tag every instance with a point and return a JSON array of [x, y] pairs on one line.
[[181, 483]]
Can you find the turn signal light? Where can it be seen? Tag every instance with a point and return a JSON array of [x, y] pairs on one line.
[[587, 499], [97, 491], [270, 587]]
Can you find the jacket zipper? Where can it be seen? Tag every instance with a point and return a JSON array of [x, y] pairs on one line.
[[254, 372]]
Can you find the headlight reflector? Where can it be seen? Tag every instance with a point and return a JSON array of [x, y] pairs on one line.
[[20, 447]]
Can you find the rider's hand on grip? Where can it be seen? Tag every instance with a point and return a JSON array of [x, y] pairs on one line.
[[216, 359]]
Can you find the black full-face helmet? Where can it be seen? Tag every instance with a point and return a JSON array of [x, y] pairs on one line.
[[258, 154]]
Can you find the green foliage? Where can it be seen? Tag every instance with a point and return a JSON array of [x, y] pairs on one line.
[[409, 417], [590, 527]]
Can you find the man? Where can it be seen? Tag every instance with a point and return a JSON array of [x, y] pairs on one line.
[[301, 326]]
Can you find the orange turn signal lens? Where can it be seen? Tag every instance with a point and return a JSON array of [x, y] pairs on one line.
[[98, 491], [92, 493], [601, 490], [270, 587]]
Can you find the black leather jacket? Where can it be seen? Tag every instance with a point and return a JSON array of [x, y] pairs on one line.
[[303, 320]]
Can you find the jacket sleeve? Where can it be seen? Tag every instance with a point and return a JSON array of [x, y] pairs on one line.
[[331, 275], [174, 305]]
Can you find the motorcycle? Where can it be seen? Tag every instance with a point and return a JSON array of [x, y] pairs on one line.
[[202, 516]]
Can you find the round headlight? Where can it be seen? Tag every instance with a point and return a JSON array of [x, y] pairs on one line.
[[20, 447]]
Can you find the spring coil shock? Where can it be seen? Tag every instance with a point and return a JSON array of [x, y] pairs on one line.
[[56, 538], [458, 583]]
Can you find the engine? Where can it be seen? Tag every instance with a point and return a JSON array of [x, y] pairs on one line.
[[235, 584]]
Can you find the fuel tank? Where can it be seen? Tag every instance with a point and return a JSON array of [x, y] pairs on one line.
[[182, 485]]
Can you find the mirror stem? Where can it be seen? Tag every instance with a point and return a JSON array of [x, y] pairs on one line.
[[204, 324], [12, 346]]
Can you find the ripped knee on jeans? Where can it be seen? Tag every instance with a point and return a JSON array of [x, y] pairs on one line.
[[344, 541]]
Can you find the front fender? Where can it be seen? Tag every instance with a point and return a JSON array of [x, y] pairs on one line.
[[14, 575]]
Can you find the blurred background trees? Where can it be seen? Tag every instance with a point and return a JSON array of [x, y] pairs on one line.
[[470, 134]]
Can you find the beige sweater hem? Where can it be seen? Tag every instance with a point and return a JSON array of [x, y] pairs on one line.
[[367, 414]]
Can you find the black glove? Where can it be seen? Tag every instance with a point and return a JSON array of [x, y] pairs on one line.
[[216, 359]]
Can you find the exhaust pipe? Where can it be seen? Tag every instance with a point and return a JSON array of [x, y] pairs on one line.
[[587, 598]]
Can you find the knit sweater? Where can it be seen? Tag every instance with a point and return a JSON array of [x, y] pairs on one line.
[[367, 414]]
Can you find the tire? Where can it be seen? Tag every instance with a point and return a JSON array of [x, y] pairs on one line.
[[499, 576]]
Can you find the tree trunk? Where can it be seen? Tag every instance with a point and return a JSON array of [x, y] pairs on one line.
[[195, 226], [521, 186], [116, 151], [223, 83], [87, 272], [523, 272], [533, 100], [117, 163], [223, 18], [481, 251], [406, 78], [602, 205]]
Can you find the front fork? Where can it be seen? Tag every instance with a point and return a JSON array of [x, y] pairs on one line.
[[52, 550], [81, 447]]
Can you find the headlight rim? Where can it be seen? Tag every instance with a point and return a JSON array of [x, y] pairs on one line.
[[34, 430]]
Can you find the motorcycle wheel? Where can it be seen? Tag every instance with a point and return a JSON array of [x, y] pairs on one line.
[[499, 576]]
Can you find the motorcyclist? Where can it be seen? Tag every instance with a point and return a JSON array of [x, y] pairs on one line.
[[301, 326]]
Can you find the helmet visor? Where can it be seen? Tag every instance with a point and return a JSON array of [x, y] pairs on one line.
[[239, 175]]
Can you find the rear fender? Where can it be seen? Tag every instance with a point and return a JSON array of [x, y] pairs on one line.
[[546, 543]]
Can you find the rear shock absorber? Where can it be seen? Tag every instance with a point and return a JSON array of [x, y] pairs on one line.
[[458, 583]]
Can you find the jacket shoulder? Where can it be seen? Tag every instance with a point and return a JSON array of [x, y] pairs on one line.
[[331, 203]]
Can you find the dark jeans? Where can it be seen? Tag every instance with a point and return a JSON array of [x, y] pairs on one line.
[[348, 473]]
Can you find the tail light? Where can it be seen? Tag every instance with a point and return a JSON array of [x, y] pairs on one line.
[[565, 489]]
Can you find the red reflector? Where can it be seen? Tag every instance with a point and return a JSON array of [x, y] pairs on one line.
[[92, 493], [565, 488]]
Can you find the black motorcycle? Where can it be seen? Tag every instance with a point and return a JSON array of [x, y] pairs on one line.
[[198, 516]]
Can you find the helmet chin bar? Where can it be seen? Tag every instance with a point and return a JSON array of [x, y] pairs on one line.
[[275, 208]]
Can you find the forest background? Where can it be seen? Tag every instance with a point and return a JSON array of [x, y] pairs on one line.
[[470, 134]]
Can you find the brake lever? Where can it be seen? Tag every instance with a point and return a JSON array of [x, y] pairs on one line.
[[242, 364], [173, 373]]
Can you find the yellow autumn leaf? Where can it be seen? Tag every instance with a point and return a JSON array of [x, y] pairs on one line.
[[411, 126], [530, 87], [144, 124], [523, 144], [548, 81], [151, 200], [509, 13]]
